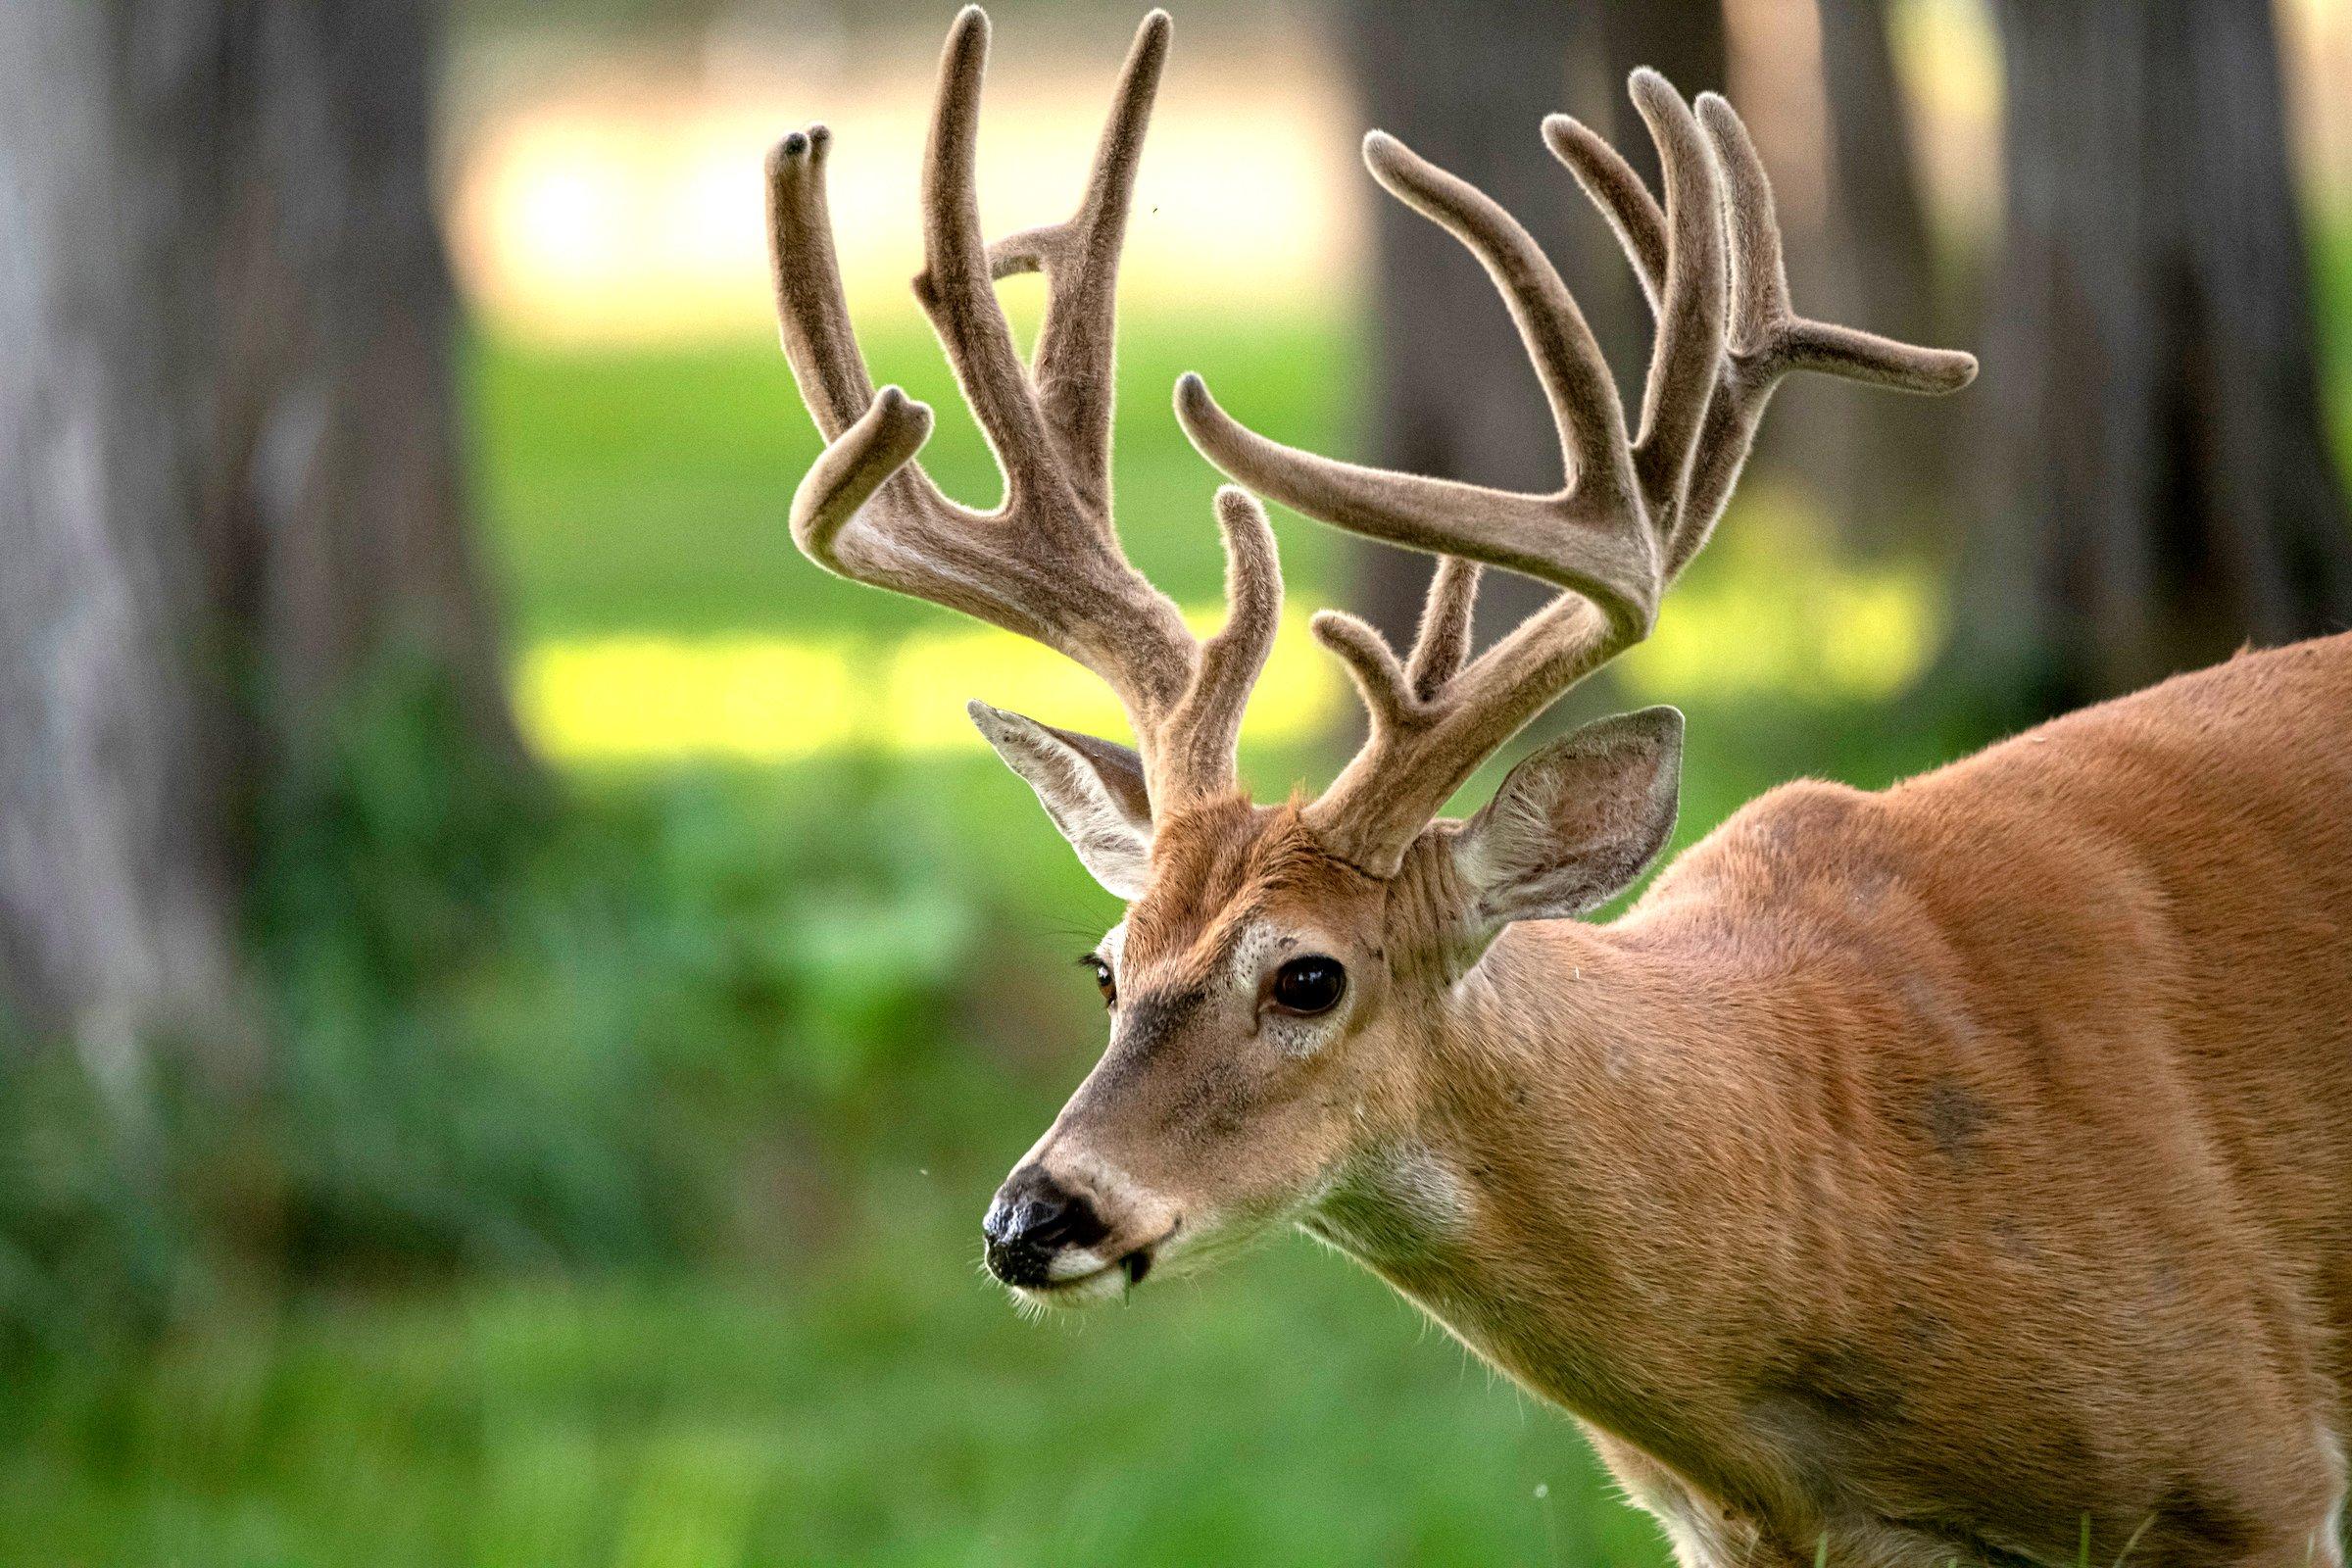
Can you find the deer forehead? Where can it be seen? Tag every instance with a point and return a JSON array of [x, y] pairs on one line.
[[1251, 928], [1217, 875], [1231, 953]]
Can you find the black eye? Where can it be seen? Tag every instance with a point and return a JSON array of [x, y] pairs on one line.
[[1103, 980], [1312, 983]]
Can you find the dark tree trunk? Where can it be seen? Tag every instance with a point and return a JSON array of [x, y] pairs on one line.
[[1453, 394], [1893, 468], [2160, 486], [228, 471]]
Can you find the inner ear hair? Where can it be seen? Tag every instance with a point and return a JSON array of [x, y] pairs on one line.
[[1093, 790], [1119, 769], [1574, 824]]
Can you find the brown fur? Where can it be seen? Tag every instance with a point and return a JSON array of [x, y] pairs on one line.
[[1933, 1168], [1223, 863], [1922, 1171]]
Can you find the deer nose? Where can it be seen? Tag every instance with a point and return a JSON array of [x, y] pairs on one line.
[[1033, 1218]]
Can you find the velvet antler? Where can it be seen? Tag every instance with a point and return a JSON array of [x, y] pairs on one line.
[[1635, 506], [1047, 564]]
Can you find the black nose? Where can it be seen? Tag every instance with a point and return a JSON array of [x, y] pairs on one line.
[[1033, 1218]]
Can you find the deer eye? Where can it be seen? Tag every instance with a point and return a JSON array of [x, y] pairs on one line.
[[1103, 980], [1309, 985]]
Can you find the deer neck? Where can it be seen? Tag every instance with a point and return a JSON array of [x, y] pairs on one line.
[[1590, 1185]]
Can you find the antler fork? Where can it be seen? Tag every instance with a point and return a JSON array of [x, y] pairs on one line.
[[1635, 507], [1047, 564]]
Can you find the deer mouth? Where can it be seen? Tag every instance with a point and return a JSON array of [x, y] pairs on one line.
[[1096, 1285], [1101, 1283]]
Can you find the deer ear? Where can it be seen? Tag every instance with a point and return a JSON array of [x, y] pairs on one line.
[[1092, 790], [1571, 826]]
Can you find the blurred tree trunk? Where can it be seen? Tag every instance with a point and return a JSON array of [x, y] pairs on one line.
[[229, 478], [1893, 469], [1452, 393], [2160, 483]]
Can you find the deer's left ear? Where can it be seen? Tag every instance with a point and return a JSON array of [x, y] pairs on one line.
[[1093, 789], [1571, 826]]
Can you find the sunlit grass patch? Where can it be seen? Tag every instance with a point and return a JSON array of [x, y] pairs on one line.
[[631, 491], [1782, 619], [1772, 611], [1860, 635], [782, 698]]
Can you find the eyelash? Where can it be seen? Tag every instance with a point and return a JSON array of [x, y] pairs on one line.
[[1102, 977]]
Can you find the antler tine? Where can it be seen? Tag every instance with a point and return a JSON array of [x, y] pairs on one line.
[[1380, 678], [956, 286], [1567, 358], [1424, 744], [1396, 689], [1398, 693], [866, 510], [1080, 258], [873, 438], [1766, 338], [1617, 190], [1434, 717], [1769, 339], [1443, 641], [1683, 275], [1523, 534], [810, 311], [1201, 737], [872, 452], [1691, 305]]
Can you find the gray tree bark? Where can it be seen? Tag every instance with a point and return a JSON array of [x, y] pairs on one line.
[[1891, 468], [2160, 484], [1452, 393], [228, 477]]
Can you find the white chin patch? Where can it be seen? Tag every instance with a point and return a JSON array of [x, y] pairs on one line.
[[1075, 1263], [1085, 1284]]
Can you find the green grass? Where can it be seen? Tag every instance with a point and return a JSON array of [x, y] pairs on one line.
[[891, 1410], [2331, 275], [634, 491]]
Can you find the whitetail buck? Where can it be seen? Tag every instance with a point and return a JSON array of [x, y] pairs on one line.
[[1919, 1173]]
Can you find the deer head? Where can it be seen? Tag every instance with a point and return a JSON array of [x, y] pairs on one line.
[[1282, 970]]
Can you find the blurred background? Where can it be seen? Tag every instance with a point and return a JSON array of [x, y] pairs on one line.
[[514, 988]]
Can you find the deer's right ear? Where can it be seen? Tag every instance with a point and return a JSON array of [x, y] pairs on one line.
[[1092, 790]]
